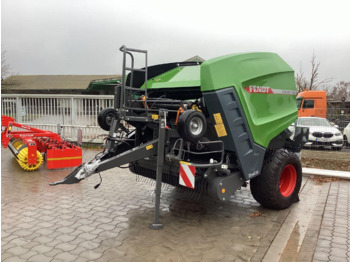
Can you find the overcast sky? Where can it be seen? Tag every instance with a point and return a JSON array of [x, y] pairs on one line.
[[83, 36]]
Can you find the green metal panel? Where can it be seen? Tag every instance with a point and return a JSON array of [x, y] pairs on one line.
[[265, 86], [186, 76], [107, 84]]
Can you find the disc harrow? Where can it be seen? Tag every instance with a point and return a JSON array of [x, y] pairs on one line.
[[31, 146]]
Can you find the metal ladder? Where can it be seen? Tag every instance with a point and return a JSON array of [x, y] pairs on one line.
[[128, 92]]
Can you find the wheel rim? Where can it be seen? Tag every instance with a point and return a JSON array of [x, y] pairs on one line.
[[23, 160], [196, 126], [288, 180], [109, 118]]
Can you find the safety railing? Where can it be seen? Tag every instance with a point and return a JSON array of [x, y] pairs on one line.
[[59, 113]]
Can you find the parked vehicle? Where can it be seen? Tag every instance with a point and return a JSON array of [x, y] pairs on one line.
[[346, 135], [312, 103], [321, 133]]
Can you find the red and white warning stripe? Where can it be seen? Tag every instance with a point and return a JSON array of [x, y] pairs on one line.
[[268, 90], [187, 173]]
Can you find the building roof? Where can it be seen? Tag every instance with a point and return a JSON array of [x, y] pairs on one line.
[[52, 82], [45, 83]]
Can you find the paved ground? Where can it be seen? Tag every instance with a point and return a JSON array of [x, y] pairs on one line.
[[79, 223]]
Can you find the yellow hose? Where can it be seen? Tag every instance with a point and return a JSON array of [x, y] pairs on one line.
[[23, 160]]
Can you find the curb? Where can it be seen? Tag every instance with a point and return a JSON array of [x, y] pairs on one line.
[[325, 172]]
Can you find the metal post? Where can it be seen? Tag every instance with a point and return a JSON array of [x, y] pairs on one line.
[[74, 117], [156, 225], [59, 129], [18, 109], [80, 137]]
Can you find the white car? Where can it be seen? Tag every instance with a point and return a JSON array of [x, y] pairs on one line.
[[346, 135], [321, 133]]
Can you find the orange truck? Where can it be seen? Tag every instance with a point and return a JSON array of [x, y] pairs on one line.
[[312, 103]]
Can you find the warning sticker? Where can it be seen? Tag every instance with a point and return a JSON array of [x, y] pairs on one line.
[[220, 130], [218, 118], [219, 127], [149, 147], [187, 175]]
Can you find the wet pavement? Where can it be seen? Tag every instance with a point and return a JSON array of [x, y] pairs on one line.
[[111, 223]]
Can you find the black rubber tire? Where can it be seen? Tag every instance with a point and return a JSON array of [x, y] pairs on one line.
[[105, 118], [184, 125], [265, 187], [346, 141]]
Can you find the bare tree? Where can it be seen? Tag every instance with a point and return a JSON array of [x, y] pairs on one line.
[[314, 83], [339, 91], [5, 67], [300, 81]]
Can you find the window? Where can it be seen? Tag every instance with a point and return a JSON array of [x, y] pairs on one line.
[[299, 100], [308, 103]]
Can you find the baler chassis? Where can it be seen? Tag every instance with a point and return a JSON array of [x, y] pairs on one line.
[[175, 137]]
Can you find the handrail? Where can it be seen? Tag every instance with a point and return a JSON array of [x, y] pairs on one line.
[[56, 96]]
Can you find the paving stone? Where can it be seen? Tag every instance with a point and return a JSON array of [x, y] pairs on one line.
[[65, 223], [90, 255], [22, 233], [337, 259], [324, 243], [339, 252], [28, 255], [18, 250], [45, 231], [54, 243], [53, 252], [77, 241], [7, 255], [65, 238], [339, 239], [65, 247], [322, 237], [39, 258], [44, 239], [65, 257], [342, 246], [106, 227], [76, 233], [89, 245], [42, 249], [78, 250], [7, 246], [96, 231], [87, 236], [24, 225], [14, 259], [326, 232], [19, 241], [65, 230], [86, 228], [30, 244]]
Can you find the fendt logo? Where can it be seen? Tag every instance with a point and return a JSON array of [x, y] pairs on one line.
[[259, 89], [269, 90]]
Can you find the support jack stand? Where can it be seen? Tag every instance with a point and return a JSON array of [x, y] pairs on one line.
[[156, 225]]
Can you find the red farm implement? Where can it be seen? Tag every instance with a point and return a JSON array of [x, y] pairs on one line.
[[30, 144]]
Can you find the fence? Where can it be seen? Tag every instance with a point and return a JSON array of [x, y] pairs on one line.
[[71, 112], [75, 112]]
